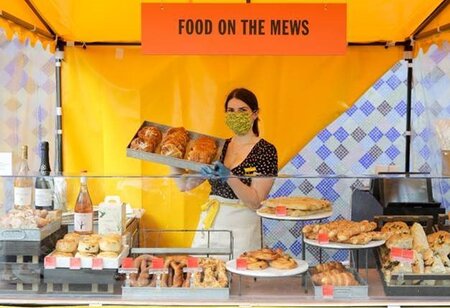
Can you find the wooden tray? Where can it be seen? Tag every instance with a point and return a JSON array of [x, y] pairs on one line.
[[171, 161]]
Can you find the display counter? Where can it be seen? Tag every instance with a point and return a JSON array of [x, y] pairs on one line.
[[27, 277]]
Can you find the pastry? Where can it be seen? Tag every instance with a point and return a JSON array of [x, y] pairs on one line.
[[88, 245], [108, 254], [204, 150], [62, 254], [404, 241], [298, 203], [152, 136], [66, 246], [263, 254], [141, 145], [284, 262], [72, 236], [328, 266], [354, 229], [110, 244], [395, 227], [175, 142], [339, 279], [80, 254], [360, 239], [420, 243]]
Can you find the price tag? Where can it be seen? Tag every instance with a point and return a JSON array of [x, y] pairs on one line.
[[241, 264], [402, 255], [127, 263], [323, 238], [192, 262], [280, 210], [75, 263], [97, 264], [328, 291], [158, 263], [50, 262]]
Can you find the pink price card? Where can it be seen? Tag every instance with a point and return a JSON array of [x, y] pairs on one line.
[[192, 262], [241, 264], [127, 263], [402, 255], [75, 263], [323, 238], [280, 210], [158, 263], [97, 264], [50, 262], [327, 291]]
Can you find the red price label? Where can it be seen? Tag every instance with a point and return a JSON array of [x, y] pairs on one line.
[[280, 210], [323, 238], [241, 264], [50, 262], [402, 255], [97, 263], [192, 262], [75, 263], [328, 291], [127, 263], [158, 263]]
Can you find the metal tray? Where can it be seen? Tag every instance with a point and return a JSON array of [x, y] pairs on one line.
[[410, 284], [361, 291], [175, 293], [30, 235], [171, 161]]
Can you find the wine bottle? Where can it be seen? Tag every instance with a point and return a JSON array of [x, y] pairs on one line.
[[83, 211], [23, 185], [44, 186]]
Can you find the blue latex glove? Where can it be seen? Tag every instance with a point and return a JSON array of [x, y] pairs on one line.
[[220, 170], [216, 170]]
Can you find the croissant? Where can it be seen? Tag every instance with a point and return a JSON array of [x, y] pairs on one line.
[[317, 278], [332, 265], [339, 279]]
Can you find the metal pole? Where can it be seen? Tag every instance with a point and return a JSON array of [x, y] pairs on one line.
[[59, 56], [409, 59]]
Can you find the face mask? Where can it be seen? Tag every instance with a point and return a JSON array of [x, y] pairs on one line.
[[239, 122]]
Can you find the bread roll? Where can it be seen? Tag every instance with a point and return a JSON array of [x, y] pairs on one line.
[[110, 244], [72, 236], [66, 246], [88, 245], [404, 241], [62, 254], [80, 254], [108, 254], [420, 242]]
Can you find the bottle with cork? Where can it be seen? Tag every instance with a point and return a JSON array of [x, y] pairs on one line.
[[83, 211]]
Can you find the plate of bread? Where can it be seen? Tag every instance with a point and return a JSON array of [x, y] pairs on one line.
[[344, 234], [86, 247], [174, 146], [296, 208], [266, 263]]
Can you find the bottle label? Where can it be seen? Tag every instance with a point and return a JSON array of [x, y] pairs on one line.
[[43, 197], [82, 222], [22, 196]]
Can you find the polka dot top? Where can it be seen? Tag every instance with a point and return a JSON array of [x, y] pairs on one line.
[[262, 160]]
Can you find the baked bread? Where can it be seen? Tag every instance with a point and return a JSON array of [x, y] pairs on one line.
[[66, 246], [303, 203], [72, 236], [108, 254], [360, 239], [141, 145], [88, 245], [110, 244], [62, 254], [420, 243], [152, 136], [284, 262], [80, 254], [404, 241], [294, 213], [204, 150], [175, 142], [355, 228], [395, 227]]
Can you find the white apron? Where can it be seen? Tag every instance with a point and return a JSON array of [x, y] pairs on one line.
[[234, 216]]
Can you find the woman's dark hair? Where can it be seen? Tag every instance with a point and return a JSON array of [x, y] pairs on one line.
[[250, 99]]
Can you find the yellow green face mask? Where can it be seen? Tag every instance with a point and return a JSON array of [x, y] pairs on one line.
[[239, 122]]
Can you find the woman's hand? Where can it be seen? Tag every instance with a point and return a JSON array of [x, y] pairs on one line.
[[217, 169]]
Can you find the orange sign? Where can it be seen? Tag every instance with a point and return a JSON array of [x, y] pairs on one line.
[[244, 29]]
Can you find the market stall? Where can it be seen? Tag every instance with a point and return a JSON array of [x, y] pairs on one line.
[[106, 89]]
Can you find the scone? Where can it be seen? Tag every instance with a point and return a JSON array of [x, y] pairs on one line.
[[66, 246], [108, 254], [62, 254], [80, 254], [88, 245], [110, 244], [72, 236]]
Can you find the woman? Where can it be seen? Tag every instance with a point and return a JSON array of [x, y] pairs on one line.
[[234, 200]]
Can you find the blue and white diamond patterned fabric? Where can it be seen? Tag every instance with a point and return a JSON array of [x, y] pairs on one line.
[[431, 101], [366, 135]]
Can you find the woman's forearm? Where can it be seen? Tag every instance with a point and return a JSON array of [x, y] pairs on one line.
[[251, 196]]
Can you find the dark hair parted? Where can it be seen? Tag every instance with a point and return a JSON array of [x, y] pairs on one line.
[[250, 99]]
